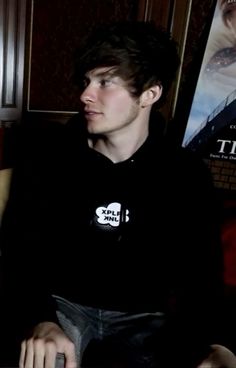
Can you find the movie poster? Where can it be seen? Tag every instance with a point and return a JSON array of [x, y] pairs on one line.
[[211, 126]]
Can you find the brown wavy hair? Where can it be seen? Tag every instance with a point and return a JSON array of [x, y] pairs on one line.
[[141, 54]]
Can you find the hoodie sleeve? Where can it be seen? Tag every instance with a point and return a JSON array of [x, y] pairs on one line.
[[24, 241]]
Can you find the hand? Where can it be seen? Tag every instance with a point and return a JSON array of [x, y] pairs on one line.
[[40, 350], [220, 357]]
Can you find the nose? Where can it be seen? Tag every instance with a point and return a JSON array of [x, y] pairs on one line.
[[88, 94]]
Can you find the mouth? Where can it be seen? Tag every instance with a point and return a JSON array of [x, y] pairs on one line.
[[89, 114]]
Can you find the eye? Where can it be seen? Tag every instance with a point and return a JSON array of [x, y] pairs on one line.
[[105, 82]]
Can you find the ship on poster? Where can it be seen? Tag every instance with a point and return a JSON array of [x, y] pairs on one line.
[[211, 126]]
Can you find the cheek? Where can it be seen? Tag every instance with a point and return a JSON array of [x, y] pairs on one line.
[[121, 103]]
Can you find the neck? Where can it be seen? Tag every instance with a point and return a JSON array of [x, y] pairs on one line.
[[120, 146]]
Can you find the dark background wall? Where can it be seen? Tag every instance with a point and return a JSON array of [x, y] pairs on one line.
[[56, 28], [37, 43]]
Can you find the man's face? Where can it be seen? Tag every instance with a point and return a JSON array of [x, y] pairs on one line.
[[108, 105]]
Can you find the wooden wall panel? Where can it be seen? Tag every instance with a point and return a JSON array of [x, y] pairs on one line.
[[12, 36], [57, 28], [12, 46]]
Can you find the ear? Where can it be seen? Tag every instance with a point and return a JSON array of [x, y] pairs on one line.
[[150, 96]]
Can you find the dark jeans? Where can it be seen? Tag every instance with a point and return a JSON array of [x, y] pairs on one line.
[[127, 336]]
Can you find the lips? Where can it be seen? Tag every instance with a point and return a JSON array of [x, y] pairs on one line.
[[91, 113]]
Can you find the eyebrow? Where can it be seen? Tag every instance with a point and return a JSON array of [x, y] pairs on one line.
[[108, 73]]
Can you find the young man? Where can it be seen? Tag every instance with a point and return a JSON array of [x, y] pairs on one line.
[[121, 228]]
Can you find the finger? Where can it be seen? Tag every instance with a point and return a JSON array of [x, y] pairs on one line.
[[22, 354], [50, 356], [70, 357], [29, 354], [39, 356], [206, 364]]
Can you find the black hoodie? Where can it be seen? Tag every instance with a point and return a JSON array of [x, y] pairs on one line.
[[139, 235]]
